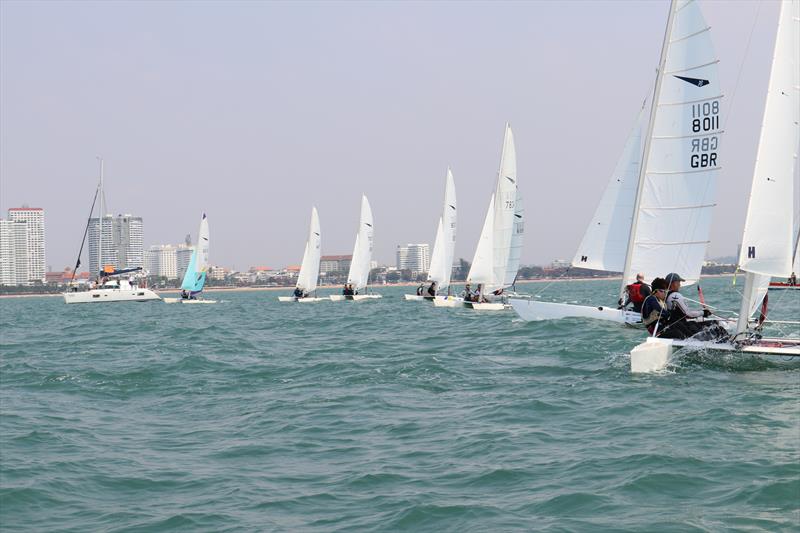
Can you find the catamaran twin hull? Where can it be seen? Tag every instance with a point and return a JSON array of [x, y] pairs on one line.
[[530, 310], [456, 301], [187, 301], [110, 295], [355, 297], [307, 299], [655, 353]]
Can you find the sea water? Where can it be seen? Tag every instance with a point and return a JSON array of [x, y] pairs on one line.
[[384, 415]]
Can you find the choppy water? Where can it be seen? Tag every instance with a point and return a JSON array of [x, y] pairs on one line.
[[382, 415]]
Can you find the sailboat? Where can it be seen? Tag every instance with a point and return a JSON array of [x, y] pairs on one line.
[[112, 284], [441, 267], [655, 215], [767, 242], [309, 269], [358, 276], [195, 278], [497, 255]]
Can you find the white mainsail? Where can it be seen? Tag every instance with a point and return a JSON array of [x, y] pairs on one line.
[[441, 267], [505, 197], [309, 269], [605, 242], [500, 244], [362, 251], [677, 184], [768, 239]]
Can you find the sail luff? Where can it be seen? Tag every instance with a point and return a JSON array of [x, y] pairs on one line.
[[646, 150], [362, 252], [436, 269], [481, 271], [309, 268], [449, 227]]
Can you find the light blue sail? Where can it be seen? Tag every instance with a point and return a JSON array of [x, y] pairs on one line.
[[193, 281]]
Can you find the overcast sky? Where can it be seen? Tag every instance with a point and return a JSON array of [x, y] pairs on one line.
[[254, 111]]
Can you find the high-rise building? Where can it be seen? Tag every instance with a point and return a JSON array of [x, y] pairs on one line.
[[123, 242], [14, 267], [334, 263], [183, 254], [413, 257], [33, 218], [167, 260]]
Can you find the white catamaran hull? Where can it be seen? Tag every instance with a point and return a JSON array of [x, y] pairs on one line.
[[531, 310], [354, 297], [307, 299], [417, 297], [449, 301], [110, 295], [187, 301], [655, 353], [486, 306]]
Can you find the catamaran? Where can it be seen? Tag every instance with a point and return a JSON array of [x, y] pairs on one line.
[[112, 284], [441, 267], [195, 278], [655, 214], [496, 261], [358, 276], [309, 269], [767, 242]]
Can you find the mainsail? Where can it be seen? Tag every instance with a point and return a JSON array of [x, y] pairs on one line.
[[677, 183], [309, 269], [441, 267], [362, 251], [195, 277], [768, 239]]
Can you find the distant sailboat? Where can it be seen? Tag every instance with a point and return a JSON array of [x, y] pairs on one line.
[[768, 240], [497, 255], [655, 217], [441, 267], [307, 279], [113, 284], [358, 276], [195, 277]]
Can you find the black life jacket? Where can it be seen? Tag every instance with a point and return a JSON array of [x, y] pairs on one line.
[[676, 314]]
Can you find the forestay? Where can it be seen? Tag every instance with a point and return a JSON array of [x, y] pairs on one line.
[[768, 239], [362, 251], [677, 186], [309, 269]]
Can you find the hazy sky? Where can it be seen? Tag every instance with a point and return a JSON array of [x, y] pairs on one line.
[[254, 111]]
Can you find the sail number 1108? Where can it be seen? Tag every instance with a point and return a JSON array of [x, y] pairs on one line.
[[705, 116]]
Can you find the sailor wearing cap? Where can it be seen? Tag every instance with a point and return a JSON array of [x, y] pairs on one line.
[[676, 303]]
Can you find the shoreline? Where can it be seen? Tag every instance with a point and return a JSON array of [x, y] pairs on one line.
[[403, 284]]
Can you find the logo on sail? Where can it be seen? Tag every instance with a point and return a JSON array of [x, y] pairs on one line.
[[510, 179], [694, 81]]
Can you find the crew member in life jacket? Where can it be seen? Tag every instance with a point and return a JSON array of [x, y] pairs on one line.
[[635, 293], [298, 293], [467, 293], [654, 308], [348, 290], [420, 289], [432, 290], [679, 313]]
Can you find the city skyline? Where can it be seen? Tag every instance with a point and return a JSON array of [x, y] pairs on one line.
[[186, 129]]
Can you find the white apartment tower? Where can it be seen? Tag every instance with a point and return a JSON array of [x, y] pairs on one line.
[[13, 253], [122, 246], [33, 218], [414, 257]]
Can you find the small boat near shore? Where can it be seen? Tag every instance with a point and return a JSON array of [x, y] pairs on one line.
[[308, 277], [358, 275], [195, 278]]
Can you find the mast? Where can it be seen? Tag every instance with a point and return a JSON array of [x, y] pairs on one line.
[[102, 214], [646, 152]]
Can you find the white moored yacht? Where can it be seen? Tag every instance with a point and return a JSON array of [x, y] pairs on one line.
[[112, 284]]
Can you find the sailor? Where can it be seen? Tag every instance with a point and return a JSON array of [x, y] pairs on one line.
[[679, 312], [654, 308], [792, 280], [478, 296], [420, 289], [467, 293], [348, 289], [298, 292], [635, 293], [432, 289], [184, 294]]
